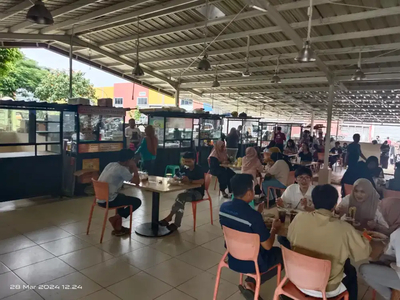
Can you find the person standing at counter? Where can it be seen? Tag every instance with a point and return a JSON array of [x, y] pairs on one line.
[[232, 143], [217, 157], [133, 134], [148, 150]]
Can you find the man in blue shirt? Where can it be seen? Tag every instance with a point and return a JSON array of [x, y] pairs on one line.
[[237, 214]]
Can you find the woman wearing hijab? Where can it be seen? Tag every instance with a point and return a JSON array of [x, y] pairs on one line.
[[217, 157], [390, 209], [148, 150], [360, 170], [277, 173], [268, 152], [365, 199], [251, 164], [385, 149]]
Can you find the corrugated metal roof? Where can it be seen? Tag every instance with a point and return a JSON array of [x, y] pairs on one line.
[[172, 39]]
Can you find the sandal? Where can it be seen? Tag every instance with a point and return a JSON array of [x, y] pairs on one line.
[[225, 195], [247, 294], [163, 222], [172, 227]]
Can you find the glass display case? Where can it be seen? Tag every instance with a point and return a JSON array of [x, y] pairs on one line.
[[248, 129], [210, 131], [179, 132]]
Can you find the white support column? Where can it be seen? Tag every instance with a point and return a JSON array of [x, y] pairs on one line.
[[337, 130], [312, 123], [324, 174], [177, 95]]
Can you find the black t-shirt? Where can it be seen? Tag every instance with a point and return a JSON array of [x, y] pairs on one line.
[[306, 157], [232, 141], [195, 174], [353, 153]]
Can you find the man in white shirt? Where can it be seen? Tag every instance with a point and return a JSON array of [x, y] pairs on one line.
[[298, 196], [133, 135], [384, 277], [115, 174]]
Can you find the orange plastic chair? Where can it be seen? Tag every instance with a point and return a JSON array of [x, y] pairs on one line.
[[391, 194], [101, 192], [347, 189], [243, 246], [305, 272], [207, 179]]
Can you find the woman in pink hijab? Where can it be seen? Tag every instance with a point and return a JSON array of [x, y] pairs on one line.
[[217, 157], [251, 164]]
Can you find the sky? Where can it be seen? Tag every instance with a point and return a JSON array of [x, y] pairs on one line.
[[49, 59]]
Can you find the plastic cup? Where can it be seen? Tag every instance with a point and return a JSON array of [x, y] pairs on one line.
[[282, 215]]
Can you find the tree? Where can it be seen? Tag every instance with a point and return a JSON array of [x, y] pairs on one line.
[[7, 58], [55, 87], [24, 75]]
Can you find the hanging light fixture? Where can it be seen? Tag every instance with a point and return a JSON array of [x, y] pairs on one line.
[[358, 74], [138, 71], [246, 72], [306, 54], [204, 64], [216, 82], [276, 78], [39, 14]]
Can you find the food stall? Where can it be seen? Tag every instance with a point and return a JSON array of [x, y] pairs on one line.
[[249, 131], [267, 129], [92, 137], [179, 132], [30, 149]]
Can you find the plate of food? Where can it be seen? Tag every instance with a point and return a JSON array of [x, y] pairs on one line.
[[377, 236]]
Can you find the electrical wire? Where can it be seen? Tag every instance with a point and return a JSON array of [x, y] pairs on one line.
[[205, 49]]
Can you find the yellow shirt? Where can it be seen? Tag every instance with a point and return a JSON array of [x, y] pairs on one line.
[[318, 234]]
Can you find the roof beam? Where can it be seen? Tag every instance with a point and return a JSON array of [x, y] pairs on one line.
[[92, 15], [327, 38], [282, 7], [55, 13], [274, 29], [370, 48], [139, 13], [266, 81], [243, 16], [116, 57], [33, 37], [15, 9]]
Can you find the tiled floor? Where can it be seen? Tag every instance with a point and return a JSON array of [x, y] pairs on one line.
[[43, 244]]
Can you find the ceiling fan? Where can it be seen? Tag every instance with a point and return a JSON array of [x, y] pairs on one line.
[[246, 72]]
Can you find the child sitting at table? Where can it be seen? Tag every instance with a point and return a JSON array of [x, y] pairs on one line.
[[190, 173]]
